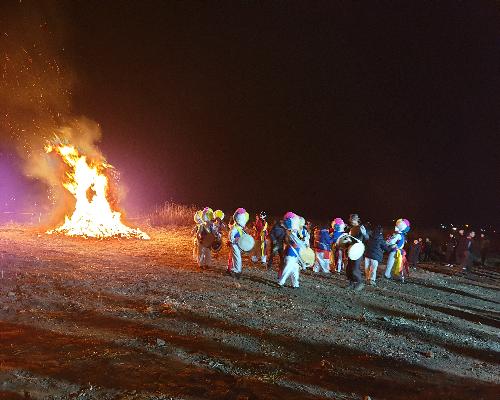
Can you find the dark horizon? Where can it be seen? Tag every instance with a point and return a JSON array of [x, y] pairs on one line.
[[322, 108]]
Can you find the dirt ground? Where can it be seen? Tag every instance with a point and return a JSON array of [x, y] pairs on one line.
[[130, 319]]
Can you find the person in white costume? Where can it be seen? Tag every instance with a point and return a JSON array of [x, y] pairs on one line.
[[396, 243], [293, 245], [234, 264]]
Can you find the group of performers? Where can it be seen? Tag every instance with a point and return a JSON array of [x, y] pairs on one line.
[[334, 249]]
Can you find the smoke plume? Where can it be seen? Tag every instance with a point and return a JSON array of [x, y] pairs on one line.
[[35, 90]]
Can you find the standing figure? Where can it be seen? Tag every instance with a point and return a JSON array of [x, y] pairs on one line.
[[414, 254], [204, 243], [337, 256], [427, 250], [277, 236], [485, 248], [467, 259], [240, 218], [260, 236], [323, 242], [374, 253], [304, 235], [218, 228], [396, 243], [461, 247], [450, 245], [198, 222], [353, 267], [293, 244]]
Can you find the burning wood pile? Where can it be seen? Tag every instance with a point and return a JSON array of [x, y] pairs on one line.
[[93, 216]]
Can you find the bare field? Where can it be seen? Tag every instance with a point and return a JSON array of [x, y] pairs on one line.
[[130, 319]]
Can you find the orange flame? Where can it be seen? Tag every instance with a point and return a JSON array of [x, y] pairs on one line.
[[93, 216]]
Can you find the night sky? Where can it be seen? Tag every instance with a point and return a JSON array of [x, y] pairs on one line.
[[320, 107]]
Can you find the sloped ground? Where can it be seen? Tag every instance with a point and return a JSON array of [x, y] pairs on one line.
[[122, 319]]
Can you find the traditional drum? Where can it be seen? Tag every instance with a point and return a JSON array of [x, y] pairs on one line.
[[355, 251], [246, 242], [307, 256]]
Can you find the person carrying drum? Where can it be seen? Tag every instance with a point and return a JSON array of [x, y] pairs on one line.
[[277, 236], [236, 231], [353, 267], [260, 236]]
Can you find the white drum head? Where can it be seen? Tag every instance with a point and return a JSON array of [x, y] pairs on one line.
[[355, 251], [246, 242]]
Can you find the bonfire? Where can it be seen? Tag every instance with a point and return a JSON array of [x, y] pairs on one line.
[[93, 216]]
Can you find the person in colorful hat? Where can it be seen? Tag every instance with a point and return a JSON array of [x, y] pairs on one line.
[[218, 228], [198, 222], [234, 265], [323, 242], [304, 235], [293, 245], [337, 255], [260, 235], [206, 228], [396, 243]]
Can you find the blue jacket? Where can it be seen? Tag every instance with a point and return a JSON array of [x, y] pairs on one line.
[[325, 240], [375, 246], [277, 234]]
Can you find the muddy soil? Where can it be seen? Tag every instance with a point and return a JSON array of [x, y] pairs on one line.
[[130, 319]]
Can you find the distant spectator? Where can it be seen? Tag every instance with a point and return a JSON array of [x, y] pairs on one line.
[[476, 251], [485, 248], [427, 249], [414, 254], [450, 247], [421, 253], [467, 260], [461, 247]]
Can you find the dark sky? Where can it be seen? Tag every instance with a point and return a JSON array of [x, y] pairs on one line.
[[388, 109]]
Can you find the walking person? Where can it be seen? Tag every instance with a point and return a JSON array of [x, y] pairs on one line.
[[353, 267], [450, 246], [396, 242], [322, 247], [260, 236], [461, 247], [277, 237], [293, 243], [485, 248], [234, 265], [467, 259], [414, 254], [375, 247], [427, 250], [337, 255]]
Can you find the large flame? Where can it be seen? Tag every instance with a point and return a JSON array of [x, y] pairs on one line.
[[93, 216]]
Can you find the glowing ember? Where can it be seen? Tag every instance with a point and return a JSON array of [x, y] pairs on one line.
[[93, 216]]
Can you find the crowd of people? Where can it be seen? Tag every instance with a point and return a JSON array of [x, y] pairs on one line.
[[348, 248]]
